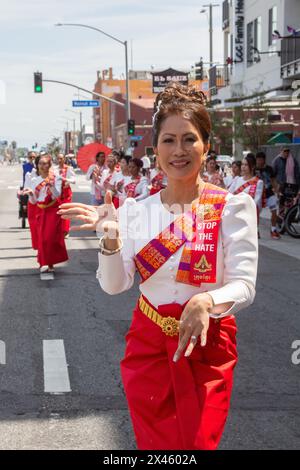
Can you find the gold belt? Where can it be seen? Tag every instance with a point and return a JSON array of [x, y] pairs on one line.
[[45, 206], [169, 325]]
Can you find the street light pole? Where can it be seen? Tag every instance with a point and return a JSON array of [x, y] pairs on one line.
[[210, 6], [127, 106]]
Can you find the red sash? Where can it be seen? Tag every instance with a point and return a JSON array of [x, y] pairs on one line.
[[131, 187], [198, 230], [252, 183], [107, 180], [157, 183]]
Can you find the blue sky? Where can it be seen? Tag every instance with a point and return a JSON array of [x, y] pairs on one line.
[[163, 33]]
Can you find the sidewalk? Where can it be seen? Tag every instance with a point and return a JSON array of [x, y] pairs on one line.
[[286, 245]]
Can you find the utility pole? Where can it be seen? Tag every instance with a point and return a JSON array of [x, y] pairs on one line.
[[210, 7]]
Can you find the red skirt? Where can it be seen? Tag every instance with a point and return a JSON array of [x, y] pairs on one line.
[[66, 198], [51, 242], [183, 405], [31, 214], [116, 202]]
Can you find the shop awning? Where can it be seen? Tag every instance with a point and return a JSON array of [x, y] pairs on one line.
[[279, 138]]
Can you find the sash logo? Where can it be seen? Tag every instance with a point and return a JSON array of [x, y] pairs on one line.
[[203, 265]]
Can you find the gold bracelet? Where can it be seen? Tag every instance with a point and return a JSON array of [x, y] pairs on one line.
[[105, 251]]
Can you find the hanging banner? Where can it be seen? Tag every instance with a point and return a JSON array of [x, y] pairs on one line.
[[239, 31]]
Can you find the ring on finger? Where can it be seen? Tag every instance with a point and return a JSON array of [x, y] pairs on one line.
[[194, 338]]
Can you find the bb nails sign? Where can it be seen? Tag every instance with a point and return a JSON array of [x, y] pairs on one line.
[[161, 79]]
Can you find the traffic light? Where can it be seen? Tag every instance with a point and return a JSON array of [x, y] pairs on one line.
[[38, 82], [199, 70], [131, 126]]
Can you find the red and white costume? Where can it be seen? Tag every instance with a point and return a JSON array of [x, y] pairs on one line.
[[50, 229], [181, 405], [68, 177], [97, 190], [254, 187], [31, 211], [119, 181], [158, 181], [137, 188]]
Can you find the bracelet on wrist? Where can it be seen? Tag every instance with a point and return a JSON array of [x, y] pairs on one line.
[[105, 251]]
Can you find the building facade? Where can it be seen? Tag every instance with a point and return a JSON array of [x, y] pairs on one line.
[[262, 63], [257, 59]]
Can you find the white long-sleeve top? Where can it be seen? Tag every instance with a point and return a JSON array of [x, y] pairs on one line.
[[119, 181], [70, 175], [237, 254], [142, 189], [54, 190], [28, 177], [239, 181], [90, 177]]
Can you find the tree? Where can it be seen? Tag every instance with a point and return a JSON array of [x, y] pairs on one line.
[[251, 125]]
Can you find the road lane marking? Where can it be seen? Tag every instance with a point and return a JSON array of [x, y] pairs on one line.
[[2, 353], [13, 187], [47, 276], [84, 187], [56, 375]]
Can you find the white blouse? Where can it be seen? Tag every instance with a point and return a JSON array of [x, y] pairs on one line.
[[237, 254], [44, 191], [239, 181]]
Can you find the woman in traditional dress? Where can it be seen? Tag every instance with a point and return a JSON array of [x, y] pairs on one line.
[[137, 187], [249, 183], [94, 174], [234, 174], [67, 177], [158, 180], [31, 208], [195, 247], [119, 180], [108, 175], [45, 192], [212, 174]]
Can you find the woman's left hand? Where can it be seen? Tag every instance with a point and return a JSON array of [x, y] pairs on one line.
[[194, 323]]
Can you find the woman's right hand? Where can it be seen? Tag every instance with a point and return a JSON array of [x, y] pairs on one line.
[[103, 218]]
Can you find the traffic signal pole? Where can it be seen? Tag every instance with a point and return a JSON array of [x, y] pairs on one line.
[[119, 103]]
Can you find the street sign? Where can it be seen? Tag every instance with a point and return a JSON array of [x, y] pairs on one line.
[[136, 138], [86, 103]]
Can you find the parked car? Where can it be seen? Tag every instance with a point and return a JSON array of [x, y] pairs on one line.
[[224, 160]]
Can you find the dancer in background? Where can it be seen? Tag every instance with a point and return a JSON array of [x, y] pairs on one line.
[[45, 192], [119, 180], [212, 174], [67, 175], [94, 174], [235, 173], [137, 188], [31, 208], [250, 184], [158, 180]]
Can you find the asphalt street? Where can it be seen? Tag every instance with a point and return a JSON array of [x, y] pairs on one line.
[[35, 314]]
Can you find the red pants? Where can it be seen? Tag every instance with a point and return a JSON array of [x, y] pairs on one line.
[[51, 242], [31, 214], [183, 405]]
